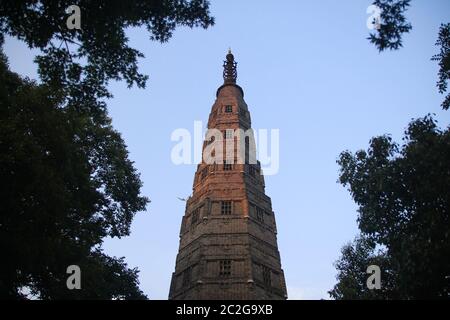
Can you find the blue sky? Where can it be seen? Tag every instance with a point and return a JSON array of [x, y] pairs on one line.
[[307, 70]]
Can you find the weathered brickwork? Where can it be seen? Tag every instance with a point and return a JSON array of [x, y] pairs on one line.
[[228, 235]]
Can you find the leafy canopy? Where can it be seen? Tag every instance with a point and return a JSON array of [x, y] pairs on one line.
[[66, 184], [80, 63], [393, 24], [389, 36], [444, 62], [404, 206], [67, 181], [352, 272]]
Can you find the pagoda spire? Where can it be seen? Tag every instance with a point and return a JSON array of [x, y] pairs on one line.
[[229, 69], [228, 236]]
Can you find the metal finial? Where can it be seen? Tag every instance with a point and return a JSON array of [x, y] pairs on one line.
[[229, 69]]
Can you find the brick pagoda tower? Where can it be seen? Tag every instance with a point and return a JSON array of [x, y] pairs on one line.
[[228, 237]]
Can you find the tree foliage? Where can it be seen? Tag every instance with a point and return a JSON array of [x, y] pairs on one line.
[[393, 24], [404, 206], [67, 181], [352, 276], [444, 62], [81, 62]]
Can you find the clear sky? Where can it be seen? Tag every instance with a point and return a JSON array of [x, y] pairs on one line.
[[307, 70]]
